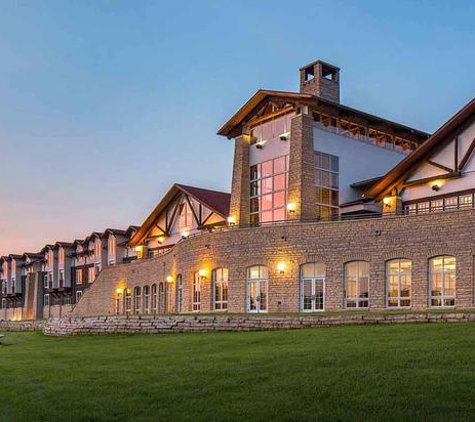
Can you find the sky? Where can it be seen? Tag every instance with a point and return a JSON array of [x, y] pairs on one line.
[[105, 104]]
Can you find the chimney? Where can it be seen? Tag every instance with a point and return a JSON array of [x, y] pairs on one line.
[[321, 79]]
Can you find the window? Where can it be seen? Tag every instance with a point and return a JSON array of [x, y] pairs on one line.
[[179, 293], [146, 299], [326, 182], [127, 300], [269, 187], [271, 129], [442, 281], [137, 300], [398, 276], [111, 245], [312, 287], [78, 295], [97, 249], [220, 287], [196, 292], [46, 300], [91, 274], [186, 215], [357, 284], [61, 256], [61, 276], [440, 204], [257, 283], [46, 281], [79, 276], [154, 298], [162, 299]]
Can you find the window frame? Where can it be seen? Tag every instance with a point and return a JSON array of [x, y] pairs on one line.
[[260, 281], [442, 297], [399, 276], [220, 278], [357, 299], [314, 279]]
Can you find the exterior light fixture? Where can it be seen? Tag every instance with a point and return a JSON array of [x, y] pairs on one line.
[[185, 234], [291, 207], [281, 267], [387, 202], [118, 291], [231, 220], [161, 239], [202, 273], [284, 137], [138, 248], [169, 279], [436, 185], [260, 144]]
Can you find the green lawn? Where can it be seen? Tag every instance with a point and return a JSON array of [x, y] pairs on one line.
[[390, 372]]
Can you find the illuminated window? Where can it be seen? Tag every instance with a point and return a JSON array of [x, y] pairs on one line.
[[312, 287], [78, 275], [357, 284], [326, 181], [97, 249], [61, 256], [269, 186], [127, 300], [111, 245], [162, 298], [46, 300], [196, 292], [137, 300], [271, 129], [146, 299], [257, 285], [220, 288], [442, 281], [398, 279], [179, 293], [91, 274]]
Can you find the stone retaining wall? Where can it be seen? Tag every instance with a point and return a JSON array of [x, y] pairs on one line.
[[155, 324], [21, 325]]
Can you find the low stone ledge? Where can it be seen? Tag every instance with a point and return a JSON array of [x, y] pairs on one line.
[[162, 324], [22, 325]]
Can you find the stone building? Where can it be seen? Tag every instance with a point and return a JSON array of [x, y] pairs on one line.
[[331, 209]]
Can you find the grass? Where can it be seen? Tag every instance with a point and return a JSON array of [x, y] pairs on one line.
[[379, 372]]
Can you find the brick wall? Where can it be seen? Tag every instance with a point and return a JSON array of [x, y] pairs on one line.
[[417, 238], [21, 325], [198, 324]]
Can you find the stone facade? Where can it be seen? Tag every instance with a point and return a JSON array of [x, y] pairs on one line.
[[21, 325], [153, 324], [376, 240]]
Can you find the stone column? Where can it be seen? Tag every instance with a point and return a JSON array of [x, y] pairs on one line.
[[240, 191], [302, 190]]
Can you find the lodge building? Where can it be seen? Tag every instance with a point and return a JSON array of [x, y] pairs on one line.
[[331, 209]]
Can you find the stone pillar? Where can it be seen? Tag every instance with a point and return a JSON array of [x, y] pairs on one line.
[[240, 190], [302, 190]]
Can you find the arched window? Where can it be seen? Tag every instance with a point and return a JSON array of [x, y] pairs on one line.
[[146, 299], [137, 299], [257, 284], [161, 298], [442, 281], [128, 300], [220, 289], [357, 284], [179, 293], [312, 287], [398, 283], [154, 298], [196, 292]]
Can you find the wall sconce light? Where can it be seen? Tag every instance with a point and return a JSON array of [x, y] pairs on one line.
[[169, 279], [291, 207], [281, 267], [184, 234], [231, 220], [118, 291], [436, 185], [138, 248], [387, 202], [260, 144], [284, 137], [203, 273], [161, 239]]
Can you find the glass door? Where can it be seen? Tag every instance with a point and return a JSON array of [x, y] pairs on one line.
[[313, 294], [257, 296]]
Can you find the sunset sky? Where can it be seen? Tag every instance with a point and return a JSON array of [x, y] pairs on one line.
[[105, 104]]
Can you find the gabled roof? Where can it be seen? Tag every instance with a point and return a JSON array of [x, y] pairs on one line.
[[218, 202], [114, 231], [63, 244], [447, 131], [251, 106]]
